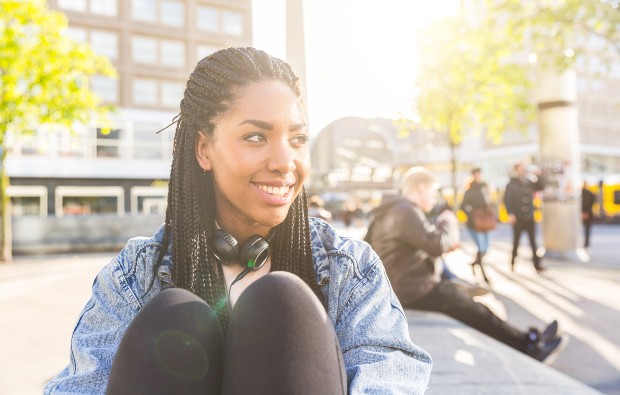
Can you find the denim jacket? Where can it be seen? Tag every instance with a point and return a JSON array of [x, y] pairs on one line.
[[368, 318]]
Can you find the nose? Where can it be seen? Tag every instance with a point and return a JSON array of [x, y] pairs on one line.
[[281, 158]]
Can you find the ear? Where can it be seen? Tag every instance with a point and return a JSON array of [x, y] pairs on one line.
[[203, 151]]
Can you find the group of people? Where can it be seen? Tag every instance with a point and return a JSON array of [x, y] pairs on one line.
[[410, 247], [241, 291]]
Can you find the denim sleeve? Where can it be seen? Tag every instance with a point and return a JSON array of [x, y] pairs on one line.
[[98, 332], [374, 335]]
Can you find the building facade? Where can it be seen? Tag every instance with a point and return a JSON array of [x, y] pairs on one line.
[[154, 45]]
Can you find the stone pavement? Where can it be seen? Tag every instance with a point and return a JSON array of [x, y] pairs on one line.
[[41, 297]]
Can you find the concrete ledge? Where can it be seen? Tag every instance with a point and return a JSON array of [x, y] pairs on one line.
[[468, 362]]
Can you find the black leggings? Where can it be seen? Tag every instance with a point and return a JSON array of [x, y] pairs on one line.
[[279, 341], [448, 298]]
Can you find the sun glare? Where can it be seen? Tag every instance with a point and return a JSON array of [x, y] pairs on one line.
[[360, 54]]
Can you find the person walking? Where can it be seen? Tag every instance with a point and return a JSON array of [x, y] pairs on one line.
[[519, 203], [587, 203], [239, 291], [409, 246], [476, 202]]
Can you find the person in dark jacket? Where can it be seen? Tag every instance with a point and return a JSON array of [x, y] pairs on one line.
[[476, 196], [519, 202], [587, 202], [409, 246]]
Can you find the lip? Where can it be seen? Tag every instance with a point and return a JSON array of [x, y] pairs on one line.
[[273, 199]]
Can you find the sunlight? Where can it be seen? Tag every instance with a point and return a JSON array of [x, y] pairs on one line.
[[360, 54]]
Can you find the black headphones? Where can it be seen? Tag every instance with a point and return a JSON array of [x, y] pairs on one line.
[[251, 256]]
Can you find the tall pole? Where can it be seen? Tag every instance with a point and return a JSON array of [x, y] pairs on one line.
[[560, 160], [295, 41]]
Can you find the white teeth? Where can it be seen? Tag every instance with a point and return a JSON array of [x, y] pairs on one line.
[[279, 191]]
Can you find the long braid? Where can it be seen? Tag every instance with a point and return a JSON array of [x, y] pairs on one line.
[[191, 211]]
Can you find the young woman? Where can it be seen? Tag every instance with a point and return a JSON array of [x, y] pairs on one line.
[[239, 291], [476, 197]]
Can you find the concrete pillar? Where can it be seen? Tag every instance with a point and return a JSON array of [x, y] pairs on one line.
[[560, 160], [295, 40]]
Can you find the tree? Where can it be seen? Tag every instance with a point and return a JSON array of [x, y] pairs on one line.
[[561, 31], [468, 83], [44, 79]]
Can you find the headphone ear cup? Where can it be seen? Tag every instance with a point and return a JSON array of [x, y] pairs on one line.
[[224, 247], [254, 253]]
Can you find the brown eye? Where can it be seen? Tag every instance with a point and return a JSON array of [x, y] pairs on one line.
[[255, 138]]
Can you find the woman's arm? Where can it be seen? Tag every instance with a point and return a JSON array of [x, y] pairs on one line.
[[374, 333], [98, 332]]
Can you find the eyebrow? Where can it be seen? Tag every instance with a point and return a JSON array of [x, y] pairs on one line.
[[267, 126]]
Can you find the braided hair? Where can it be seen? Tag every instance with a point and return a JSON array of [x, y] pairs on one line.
[[190, 214]]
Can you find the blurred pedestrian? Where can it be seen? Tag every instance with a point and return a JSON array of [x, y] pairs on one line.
[[409, 246], [316, 208], [519, 203], [587, 203], [481, 218]]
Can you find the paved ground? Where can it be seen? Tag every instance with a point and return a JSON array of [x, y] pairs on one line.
[[41, 297]]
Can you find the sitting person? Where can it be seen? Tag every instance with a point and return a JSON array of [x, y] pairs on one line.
[[239, 291], [409, 246]]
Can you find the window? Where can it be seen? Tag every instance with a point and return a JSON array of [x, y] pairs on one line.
[[172, 13], [27, 200], [144, 10], [106, 88], [144, 91], [105, 43], [147, 144], [232, 23], [172, 93], [205, 50], [149, 200], [172, 53], [144, 49], [72, 5], [72, 200], [77, 34], [207, 18], [108, 142], [104, 7]]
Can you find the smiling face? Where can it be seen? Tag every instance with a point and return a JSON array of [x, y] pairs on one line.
[[259, 157]]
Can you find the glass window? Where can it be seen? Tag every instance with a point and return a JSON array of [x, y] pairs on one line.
[[147, 144], [232, 23], [83, 205], [104, 7], [172, 53], [205, 50], [106, 88], [172, 93], [207, 18], [25, 205], [108, 141], [144, 49], [72, 5], [172, 13], [105, 43], [144, 92], [77, 34], [149, 200], [144, 10]]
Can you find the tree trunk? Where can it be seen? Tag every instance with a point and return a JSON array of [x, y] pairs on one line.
[[5, 212], [453, 166]]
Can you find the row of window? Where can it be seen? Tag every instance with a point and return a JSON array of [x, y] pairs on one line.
[[133, 141], [143, 91], [84, 200], [144, 49], [208, 18]]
